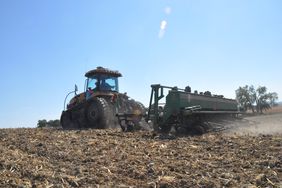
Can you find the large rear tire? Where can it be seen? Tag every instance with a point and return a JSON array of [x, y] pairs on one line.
[[67, 122], [100, 114]]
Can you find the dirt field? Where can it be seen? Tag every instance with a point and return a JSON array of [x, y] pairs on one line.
[[237, 157]]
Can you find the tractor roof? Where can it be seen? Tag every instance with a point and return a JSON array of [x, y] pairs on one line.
[[102, 70]]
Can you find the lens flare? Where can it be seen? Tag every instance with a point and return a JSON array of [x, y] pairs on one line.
[[162, 29], [163, 25], [167, 10]]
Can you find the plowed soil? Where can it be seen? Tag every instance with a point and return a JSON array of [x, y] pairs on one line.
[[110, 158]]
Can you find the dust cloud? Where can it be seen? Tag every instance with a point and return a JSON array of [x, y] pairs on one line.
[[255, 125]]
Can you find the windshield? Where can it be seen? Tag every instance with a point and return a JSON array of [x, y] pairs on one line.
[[102, 83]]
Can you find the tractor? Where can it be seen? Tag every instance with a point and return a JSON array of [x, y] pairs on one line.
[[100, 103]]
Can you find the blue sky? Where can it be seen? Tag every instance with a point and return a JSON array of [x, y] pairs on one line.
[[47, 46]]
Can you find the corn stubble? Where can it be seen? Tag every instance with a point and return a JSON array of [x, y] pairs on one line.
[[111, 158]]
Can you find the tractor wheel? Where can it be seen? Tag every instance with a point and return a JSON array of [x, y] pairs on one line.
[[141, 107], [199, 130], [99, 114], [67, 122], [165, 129], [181, 130]]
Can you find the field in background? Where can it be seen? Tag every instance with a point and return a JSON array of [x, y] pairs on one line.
[[276, 109], [270, 122]]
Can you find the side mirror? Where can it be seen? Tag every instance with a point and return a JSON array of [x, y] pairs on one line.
[[75, 89]]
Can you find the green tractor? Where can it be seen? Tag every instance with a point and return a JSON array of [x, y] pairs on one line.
[[99, 105]]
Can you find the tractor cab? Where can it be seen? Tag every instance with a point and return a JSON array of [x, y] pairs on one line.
[[101, 80]]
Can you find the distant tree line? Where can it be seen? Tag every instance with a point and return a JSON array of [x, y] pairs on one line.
[[257, 100], [50, 123]]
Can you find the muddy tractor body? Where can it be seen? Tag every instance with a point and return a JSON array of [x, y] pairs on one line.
[[98, 105]]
